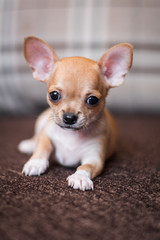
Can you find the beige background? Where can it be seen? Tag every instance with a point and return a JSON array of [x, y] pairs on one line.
[[83, 28]]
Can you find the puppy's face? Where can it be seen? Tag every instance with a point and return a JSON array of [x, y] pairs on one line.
[[77, 86], [76, 92]]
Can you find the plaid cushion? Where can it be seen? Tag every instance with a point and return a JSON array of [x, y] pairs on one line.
[[83, 28]]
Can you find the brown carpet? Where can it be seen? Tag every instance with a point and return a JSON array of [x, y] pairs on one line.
[[124, 205]]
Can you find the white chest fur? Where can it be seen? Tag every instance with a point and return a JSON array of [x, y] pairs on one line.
[[69, 145]]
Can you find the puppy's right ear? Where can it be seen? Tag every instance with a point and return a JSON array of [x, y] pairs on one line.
[[115, 63], [40, 57]]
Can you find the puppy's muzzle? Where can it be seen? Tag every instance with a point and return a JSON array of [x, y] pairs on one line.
[[70, 118]]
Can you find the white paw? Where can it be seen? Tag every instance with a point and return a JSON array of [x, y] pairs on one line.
[[27, 146], [35, 167], [80, 180]]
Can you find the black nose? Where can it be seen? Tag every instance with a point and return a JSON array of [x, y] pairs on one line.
[[70, 118]]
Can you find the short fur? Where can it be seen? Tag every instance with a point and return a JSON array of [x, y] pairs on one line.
[[91, 138]]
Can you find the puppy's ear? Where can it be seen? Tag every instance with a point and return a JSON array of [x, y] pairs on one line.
[[115, 63], [40, 57]]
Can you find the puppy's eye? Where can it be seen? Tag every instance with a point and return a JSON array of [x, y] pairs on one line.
[[54, 96], [92, 100]]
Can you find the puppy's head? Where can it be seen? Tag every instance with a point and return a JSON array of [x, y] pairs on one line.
[[77, 86]]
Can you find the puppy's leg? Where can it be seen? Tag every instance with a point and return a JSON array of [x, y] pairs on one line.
[[39, 161], [89, 169], [27, 146]]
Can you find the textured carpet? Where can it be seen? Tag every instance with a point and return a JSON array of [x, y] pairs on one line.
[[125, 203]]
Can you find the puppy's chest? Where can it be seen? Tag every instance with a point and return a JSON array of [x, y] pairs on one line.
[[68, 146]]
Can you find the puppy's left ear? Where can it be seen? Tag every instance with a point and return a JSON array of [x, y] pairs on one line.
[[115, 63], [40, 57]]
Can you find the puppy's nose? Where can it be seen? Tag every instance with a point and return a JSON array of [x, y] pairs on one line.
[[69, 118]]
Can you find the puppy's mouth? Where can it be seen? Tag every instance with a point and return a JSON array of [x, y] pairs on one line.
[[71, 121], [76, 128]]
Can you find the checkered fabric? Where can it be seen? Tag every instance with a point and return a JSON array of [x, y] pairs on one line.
[[82, 28]]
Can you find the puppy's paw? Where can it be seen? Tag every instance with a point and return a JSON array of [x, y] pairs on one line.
[[27, 146], [80, 180], [35, 166]]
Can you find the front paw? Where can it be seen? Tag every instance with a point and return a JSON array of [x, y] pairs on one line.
[[35, 166], [80, 180]]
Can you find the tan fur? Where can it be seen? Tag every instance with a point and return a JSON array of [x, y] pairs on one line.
[[75, 78]]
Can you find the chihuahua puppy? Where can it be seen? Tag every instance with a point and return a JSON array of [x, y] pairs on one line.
[[77, 127]]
